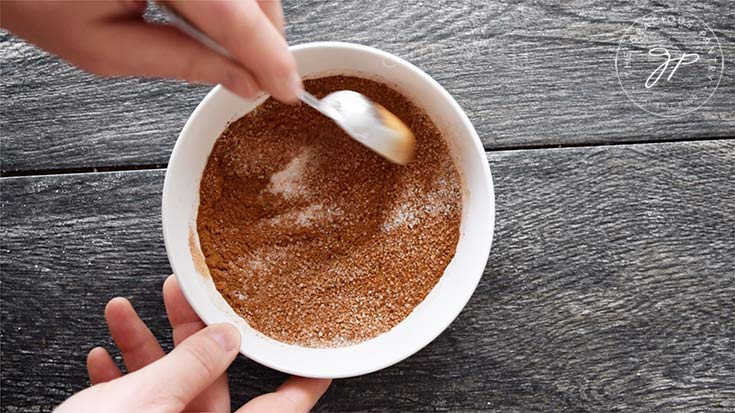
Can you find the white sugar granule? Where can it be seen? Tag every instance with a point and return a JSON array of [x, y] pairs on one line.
[[308, 216], [288, 182], [316, 213], [405, 214], [414, 206]]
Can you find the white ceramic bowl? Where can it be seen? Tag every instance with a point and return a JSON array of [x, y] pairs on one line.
[[430, 317]]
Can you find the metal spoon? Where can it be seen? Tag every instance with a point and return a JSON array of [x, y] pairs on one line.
[[364, 120]]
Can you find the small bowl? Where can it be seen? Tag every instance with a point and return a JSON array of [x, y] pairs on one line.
[[431, 316]]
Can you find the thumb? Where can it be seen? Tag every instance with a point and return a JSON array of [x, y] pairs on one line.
[[174, 380]]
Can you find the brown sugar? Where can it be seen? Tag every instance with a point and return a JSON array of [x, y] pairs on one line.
[[315, 240]]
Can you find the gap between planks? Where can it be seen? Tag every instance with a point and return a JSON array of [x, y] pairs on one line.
[[155, 166]]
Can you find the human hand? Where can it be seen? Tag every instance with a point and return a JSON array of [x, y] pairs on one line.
[[189, 379], [110, 38]]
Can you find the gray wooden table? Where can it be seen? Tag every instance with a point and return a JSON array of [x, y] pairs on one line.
[[611, 282]]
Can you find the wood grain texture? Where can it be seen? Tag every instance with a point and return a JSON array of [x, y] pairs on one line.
[[610, 287], [527, 73]]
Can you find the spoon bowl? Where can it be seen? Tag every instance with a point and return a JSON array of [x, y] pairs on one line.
[[368, 123]]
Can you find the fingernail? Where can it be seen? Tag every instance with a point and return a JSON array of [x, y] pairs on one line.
[[295, 85], [226, 335]]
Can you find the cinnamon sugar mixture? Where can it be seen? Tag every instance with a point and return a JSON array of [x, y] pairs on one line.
[[314, 239]]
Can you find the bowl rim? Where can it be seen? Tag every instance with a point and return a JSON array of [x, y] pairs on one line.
[[343, 371]]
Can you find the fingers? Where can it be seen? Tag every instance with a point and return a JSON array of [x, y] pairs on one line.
[[101, 367], [137, 344], [297, 394], [244, 30], [110, 39], [153, 50], [184, 321], [175, 380], [274, 12]]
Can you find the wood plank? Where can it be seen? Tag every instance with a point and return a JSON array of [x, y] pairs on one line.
[[609, 287], [528, 74]]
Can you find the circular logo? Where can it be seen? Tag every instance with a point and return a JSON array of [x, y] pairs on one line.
[[669, 63]]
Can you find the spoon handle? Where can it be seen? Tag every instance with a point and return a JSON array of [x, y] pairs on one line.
[[310, 100], [181, 23]]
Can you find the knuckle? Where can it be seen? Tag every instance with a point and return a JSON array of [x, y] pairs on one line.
[[287, 401], [201, 359], [158, 397], [162, 401]]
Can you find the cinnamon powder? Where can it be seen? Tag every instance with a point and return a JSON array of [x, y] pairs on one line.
[[314, 239]]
